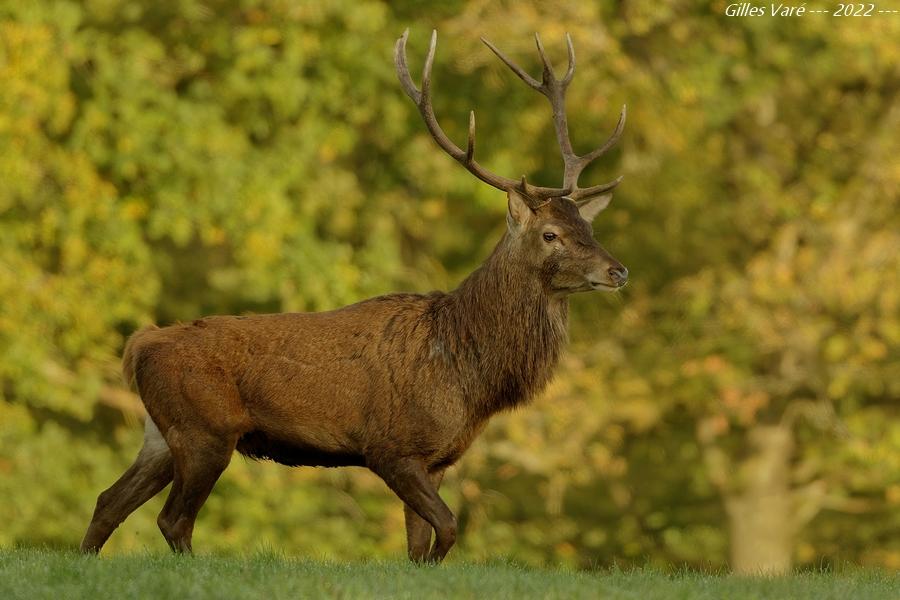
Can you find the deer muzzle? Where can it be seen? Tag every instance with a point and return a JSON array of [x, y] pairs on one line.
[[610, 277]]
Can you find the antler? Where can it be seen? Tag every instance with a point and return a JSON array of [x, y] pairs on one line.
[[535, 195], [555, 91]]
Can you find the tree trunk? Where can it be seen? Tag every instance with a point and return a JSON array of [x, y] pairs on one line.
[[760, 514]]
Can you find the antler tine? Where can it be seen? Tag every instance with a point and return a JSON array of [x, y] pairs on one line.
[[403, 71], [422, 100], [528, 79], [584, 161], [620, 127], [579, 194], [570, 72], [429, 62], [548, 76]]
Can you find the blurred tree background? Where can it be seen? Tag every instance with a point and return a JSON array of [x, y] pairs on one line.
[[736, 405]]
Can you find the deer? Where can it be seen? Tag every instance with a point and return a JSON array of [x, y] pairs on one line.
[[400, 384]]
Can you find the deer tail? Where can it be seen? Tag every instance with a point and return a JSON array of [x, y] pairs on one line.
[[128, 355]]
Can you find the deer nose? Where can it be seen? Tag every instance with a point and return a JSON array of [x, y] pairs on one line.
[[618, 275]]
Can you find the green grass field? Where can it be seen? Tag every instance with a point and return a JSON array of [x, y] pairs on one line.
[[61, 575]]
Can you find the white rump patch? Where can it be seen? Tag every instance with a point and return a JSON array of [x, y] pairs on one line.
[[154, 442]]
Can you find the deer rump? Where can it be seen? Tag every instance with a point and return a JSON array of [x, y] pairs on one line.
[[304, 389]]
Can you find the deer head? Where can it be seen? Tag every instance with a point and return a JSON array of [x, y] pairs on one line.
[[549, 228]]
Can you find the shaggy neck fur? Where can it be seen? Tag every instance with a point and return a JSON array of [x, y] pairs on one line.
[[504, 331]]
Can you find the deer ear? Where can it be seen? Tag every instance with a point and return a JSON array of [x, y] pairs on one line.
[[519, 212], [592, 207]]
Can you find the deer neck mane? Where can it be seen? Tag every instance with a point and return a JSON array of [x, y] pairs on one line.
[[507, 331]]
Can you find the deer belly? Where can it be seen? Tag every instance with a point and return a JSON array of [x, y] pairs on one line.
[[295, 453]]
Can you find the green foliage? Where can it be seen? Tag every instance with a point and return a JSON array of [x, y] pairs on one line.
[[164, 160]]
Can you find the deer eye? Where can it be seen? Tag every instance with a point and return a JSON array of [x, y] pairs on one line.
[[549, 236]]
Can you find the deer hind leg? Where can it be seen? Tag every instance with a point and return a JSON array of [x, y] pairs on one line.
[[418, 530], [409, 479], [151, 472], [200, 458]]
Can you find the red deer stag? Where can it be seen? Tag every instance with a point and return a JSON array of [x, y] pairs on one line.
[[400, 384]]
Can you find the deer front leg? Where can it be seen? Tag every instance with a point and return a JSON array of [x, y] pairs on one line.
[[409, 479], [418, 530]]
